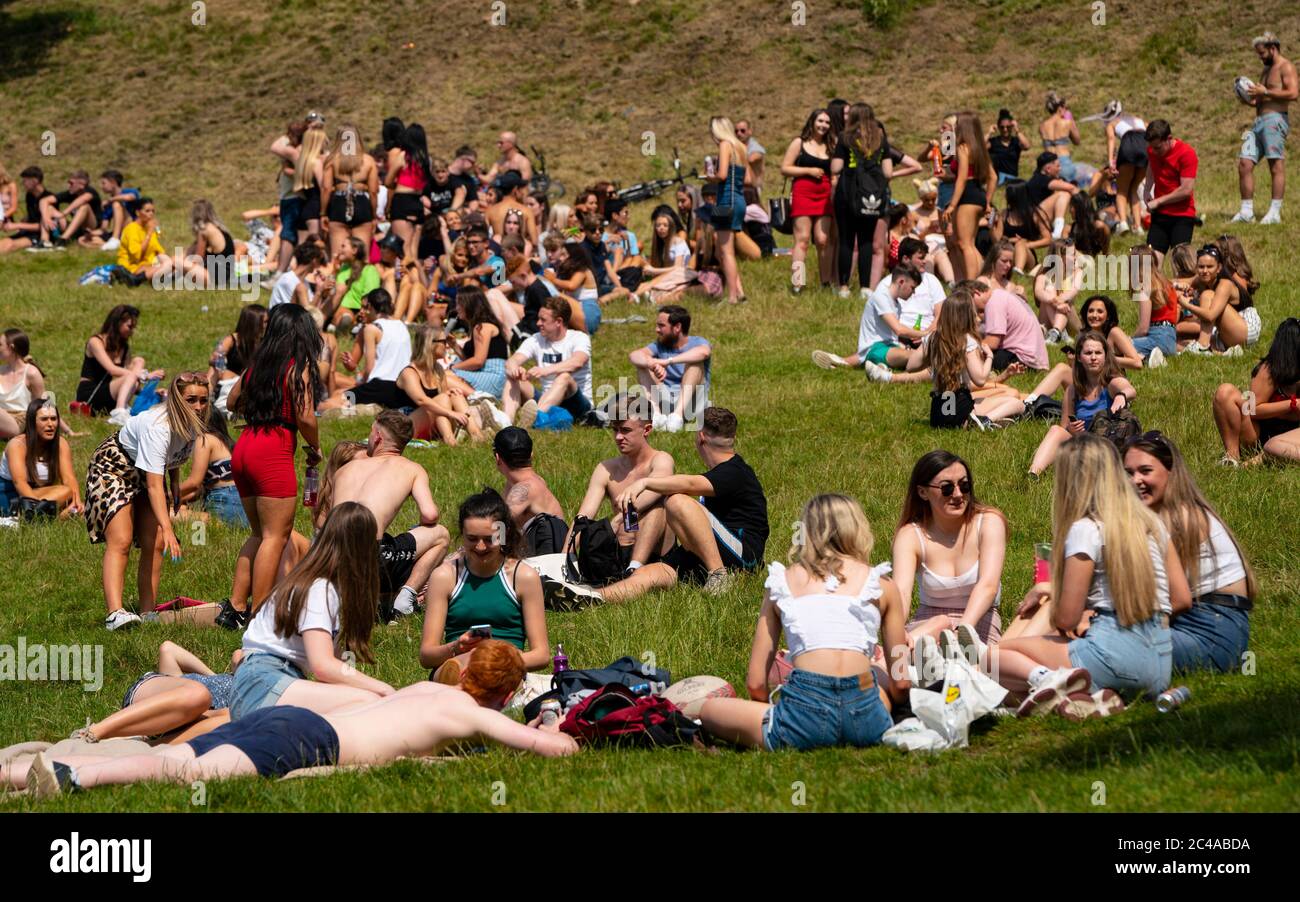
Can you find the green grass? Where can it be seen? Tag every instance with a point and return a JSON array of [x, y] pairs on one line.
[[1233, 747]]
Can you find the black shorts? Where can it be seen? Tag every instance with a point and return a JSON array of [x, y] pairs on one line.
[[396, 561], [310, 208], [577, 405], [736, 554], [98, 395], [972, 195], [1002, 358], [383, 392], [1132, 150], [362, 210], [406, 207], [1166, 231], [277, 739], [625, 556]]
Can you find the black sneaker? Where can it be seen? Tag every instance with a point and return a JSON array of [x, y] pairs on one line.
[[387, 614], [231, 618]]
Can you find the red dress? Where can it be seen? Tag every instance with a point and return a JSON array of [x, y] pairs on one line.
[[262, 461]]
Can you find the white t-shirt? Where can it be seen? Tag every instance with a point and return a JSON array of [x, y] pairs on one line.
[[1085, 537], [1219, 562], [873, 327], [678, 250], [147, 439], [924, 299], [321, 612], [546, 353], [285, 286]]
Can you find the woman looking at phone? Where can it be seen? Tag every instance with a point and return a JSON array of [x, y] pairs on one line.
[[486, 584]]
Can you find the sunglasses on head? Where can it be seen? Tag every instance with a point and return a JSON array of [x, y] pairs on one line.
[[1210, 250], [947, 486]]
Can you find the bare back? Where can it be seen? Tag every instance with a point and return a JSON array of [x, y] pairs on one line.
[[529, 495], [381, 484]]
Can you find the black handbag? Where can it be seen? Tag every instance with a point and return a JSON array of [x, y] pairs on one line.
[[37, 509], [778, 211]]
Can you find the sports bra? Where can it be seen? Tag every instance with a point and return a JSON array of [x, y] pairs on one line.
[[1128, 124], [812, 162], [1049, 143], [218, 471], [827, 619], [951, 592]]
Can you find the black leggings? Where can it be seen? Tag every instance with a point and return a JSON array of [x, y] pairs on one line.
[[854, 228]]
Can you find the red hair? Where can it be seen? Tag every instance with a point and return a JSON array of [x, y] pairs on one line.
[[495, 670]]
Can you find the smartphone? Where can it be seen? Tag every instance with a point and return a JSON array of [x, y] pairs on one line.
[[482, 631]]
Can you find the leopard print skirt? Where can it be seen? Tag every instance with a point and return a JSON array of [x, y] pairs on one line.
[[112, 482]]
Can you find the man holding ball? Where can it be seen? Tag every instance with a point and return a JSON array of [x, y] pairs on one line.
[[1267, 136]]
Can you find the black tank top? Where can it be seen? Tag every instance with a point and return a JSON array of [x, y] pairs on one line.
[[428, 392], [93, 370], [227, 250], [234, 359], [1025, 230], [497, 347], [811, 162]]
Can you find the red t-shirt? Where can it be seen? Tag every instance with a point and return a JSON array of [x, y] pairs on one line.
[[1168, 171]]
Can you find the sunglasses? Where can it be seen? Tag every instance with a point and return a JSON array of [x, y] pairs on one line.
[[1210, 251], [947, 486], [192, 378]]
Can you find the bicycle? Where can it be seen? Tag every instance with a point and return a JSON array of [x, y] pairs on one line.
[[646, 190], [541, 182]]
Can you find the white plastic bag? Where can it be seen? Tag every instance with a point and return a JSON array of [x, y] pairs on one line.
[[967, 695]]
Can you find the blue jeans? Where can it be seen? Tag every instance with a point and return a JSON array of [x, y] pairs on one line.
[[815, 710], [1131, 660], [1159, 335], [260, 681], [223, 503], [8, 495], [1210, 637]]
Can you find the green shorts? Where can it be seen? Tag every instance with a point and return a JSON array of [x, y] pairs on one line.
[[879, 352]]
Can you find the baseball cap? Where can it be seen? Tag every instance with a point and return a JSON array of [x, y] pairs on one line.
[[508, 181], [1046, 157], [314, 116], [391, 242]]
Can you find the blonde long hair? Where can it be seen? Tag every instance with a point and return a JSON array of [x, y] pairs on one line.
[[312, 149], [1091, 484], [724, 132], [831, 527], [945, 352], [202, 213], [181, 418], [425, 356]]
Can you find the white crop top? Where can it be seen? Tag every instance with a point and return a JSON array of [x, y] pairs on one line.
[[827, 619], [1220, 561]]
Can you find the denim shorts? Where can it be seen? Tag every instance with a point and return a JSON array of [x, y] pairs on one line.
[[260, 681], [291, 217], [815, 711], [1159, 335], [224, 504], [1131, 660], [1210, 637]]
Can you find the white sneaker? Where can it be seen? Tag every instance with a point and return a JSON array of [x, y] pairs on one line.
[[659, 421], [1054, 689], [1272, 217], [8, 522], [928, 661], [878, 373], [1194, 347], [121, 619], [1121, 228], [1234, 351], [119, 416], [1156, 359], [828, 361], [844, 293], [110, 245], [674, 423], [527, 415], [864, 293], [1243, 216], [1053, 337]]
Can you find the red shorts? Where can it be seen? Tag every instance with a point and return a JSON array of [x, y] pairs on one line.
[[262, 463]]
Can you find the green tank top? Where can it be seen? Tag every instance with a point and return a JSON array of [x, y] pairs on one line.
[[485, 599]]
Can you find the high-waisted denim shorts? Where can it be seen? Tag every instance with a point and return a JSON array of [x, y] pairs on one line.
[[815, 711]]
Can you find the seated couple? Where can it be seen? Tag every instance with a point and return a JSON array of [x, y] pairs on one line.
[[693, 528], [422, 719]]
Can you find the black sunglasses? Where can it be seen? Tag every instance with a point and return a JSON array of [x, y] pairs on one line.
[[947, 486]]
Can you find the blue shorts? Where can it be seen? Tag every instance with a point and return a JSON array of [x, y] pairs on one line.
[[1266, 138], [217, 684], [291, 217], [945, 194], [816, 711], [1159, 335], [1133, 660], [260, 681], [224, 504], [276, 740], [1210, 637]]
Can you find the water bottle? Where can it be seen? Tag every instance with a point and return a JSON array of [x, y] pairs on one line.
[[218, 359], [560, 662], [1172, 698], [310, 486]]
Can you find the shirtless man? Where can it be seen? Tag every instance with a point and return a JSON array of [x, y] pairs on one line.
[[1270, 97], [513, 192], [512, 158], [382, 481], [423, 719], [534, 509], [631, 421]]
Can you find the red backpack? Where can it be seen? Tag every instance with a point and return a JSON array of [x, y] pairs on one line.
[[616, 715]]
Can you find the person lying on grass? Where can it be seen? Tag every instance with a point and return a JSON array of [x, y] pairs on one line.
[[322, 610], [423, 719], [1110, 556], [832, 605], [182, 697]]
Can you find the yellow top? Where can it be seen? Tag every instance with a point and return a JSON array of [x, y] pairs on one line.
[[132, 255]]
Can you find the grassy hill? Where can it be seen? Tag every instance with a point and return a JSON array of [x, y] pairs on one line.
[[188, 110]]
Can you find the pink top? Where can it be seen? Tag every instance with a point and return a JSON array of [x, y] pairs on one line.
[[1009, 317]]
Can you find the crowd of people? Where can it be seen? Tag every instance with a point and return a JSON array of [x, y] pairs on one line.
[[453, 303]]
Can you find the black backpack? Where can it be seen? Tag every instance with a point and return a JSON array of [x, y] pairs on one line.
[[865, 185], [544, 534], [951, 409], [592, 554]]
